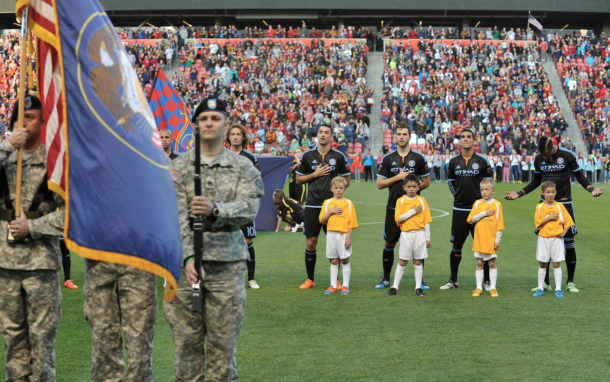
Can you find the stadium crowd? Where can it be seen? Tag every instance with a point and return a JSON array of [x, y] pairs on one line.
[[583, 62], [501, 91], [282, 91], [9, 70]]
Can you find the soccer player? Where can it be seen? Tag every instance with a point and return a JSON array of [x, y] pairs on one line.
[[412, 215], [339, 216], [552, 222], [166, 142], [488, 220], [394, 167], [465, 173], [558, 165], [318, 166], [296, 191], [287, 210], [237, 138]]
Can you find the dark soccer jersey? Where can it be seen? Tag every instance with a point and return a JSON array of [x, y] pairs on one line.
[[293, 175], [465, 178], [289, 206], [559, 170], [251, 157], [393, 163], [319, 188]]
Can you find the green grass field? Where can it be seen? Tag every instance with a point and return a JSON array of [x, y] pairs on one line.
[[294, 335]]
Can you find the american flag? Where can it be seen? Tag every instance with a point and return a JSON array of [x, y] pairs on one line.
[[41, 20], [532, 20]]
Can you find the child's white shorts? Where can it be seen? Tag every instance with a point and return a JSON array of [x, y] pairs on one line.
[[485, 256], [413, 245], [335, 246], [550, 249]]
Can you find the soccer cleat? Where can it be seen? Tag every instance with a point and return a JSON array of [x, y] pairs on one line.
[[539, 293], [571, 287], [253, 284], [477, 293], [545, 286], [392, 292], [419, 292], [308, 284], [487, 286], [70, 285], [424, 286], [558, 293], [450, 285], [383, 284], [494, 293], [345, 291], [330, 290]]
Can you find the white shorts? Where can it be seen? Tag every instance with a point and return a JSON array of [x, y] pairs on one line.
[[413, 245], [335, 246], [550, 249], [485, 256]]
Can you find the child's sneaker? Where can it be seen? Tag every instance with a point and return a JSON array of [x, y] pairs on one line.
[[487, 286], [494, 293], [383, 284], [539, 293], [330, 290], [392, 292], [477, 292], [344, 290], [419, 292], [558, 293], [308, 284], [571, 287]]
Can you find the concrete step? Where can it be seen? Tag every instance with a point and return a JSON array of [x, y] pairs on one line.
[[555, 80]]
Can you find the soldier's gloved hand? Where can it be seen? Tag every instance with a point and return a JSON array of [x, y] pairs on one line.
[[200, 205], [191, 275], [18, 137], [20, 228]]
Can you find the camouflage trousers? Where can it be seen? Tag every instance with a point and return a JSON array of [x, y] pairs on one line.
[[30, 310], [219, 324], [119, 297]]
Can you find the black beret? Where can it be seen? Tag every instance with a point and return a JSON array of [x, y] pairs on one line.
[[210, 104], [31, 103]]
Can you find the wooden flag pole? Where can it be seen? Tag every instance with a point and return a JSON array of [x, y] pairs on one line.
[[21, 109]]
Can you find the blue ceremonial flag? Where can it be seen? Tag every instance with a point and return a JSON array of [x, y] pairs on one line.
[[114, 176], [171, 113]]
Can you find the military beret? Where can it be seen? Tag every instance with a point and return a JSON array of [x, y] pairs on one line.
[[210, 104], [31, 103]]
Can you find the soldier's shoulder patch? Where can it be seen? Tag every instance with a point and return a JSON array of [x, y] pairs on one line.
[[175, 175]]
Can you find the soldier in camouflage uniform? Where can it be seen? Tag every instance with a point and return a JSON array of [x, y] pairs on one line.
[[232, 190], [120, 298], [30, 297]]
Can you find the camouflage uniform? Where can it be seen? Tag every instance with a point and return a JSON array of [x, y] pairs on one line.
[[30, 296], [234, 184], [120, 297]]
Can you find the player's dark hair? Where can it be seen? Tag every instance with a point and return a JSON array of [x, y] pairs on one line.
[[545, 145], [411, 178], [467, 131], [548, 184], [403, 125]]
